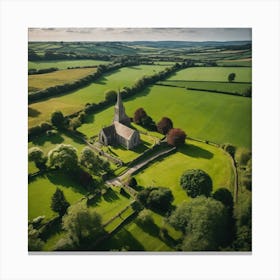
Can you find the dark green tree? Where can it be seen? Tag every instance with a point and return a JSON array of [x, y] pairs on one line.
[[196, 182], [110, 95], [59, 203], [231, 77], [83, 226], [57, 119]]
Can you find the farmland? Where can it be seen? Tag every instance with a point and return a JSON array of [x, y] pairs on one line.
[[64, 64], [42, 81], [98, 179], [93, 93]]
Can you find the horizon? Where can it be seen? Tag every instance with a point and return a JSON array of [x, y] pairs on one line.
[[158, 34]]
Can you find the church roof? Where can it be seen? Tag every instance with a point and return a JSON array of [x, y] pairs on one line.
[[109, 130], [124, 131]]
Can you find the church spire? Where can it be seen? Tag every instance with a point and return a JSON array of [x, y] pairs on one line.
[[120, 115]]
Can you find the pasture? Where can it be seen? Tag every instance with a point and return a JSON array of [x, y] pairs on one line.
[[60, 77], [194, 155], [94, 93], [216, 117], [220, 74], [64, 64]]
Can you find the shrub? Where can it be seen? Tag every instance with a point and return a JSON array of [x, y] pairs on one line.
[[196, 182], [164, 125]]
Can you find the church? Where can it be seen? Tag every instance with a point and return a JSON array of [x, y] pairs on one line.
[[119, 133]]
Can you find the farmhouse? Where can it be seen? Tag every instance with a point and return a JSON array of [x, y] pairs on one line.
[[119, 133]]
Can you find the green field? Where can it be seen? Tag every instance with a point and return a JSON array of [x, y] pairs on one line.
[[60, 77], [194, 155], [202, 115], [41, 189], [63, 64], [93, 93], [220, 74], [235, 88]]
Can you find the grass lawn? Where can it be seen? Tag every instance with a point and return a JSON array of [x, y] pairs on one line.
[[41, 189], [219, 86], [94, 93], [60, 77], [63, 64], [194, 155], [243, 74]]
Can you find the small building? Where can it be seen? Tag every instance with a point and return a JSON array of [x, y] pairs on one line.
[[119, 133]]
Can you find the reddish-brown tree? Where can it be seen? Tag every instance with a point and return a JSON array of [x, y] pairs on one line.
[[139, 115], [164, 125], [176, 137]]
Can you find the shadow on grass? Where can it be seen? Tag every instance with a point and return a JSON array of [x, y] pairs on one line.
[[195, 151], [33, 113], [54, 139], [149, 227], [101, 81], [110, 195], [63, 179], [123, 240]]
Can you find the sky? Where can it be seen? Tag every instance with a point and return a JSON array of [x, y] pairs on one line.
[[139, 34]]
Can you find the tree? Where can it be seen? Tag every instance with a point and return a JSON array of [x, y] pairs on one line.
[[34, 242], [176, 137], [74, 123], [158, 198], [83, 227], [139, 114], [132, 182], [224, 195], [164, 125], [203, 221], [231, 77], [110, 95], [196, 182], [36, 155], [88, 158], [59, 203], [57, 119], [63, 157]]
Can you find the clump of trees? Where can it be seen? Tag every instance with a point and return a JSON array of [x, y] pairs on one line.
[[64, 157], [203, 222], [59, 203], [176, 137], [196, 182], [34, 241], [83, 228], [156, 198], [231, 77], [164, 125], [36, 155], [38, 130]]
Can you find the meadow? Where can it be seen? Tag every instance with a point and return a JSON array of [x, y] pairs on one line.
[[220, 74], [64, 64], [94, 93], [60, 77], [203, 115]]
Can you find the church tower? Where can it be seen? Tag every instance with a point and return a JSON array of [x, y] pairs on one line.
[[120, 115]]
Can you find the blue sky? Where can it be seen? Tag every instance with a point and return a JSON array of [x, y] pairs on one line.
[[139, 34]]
